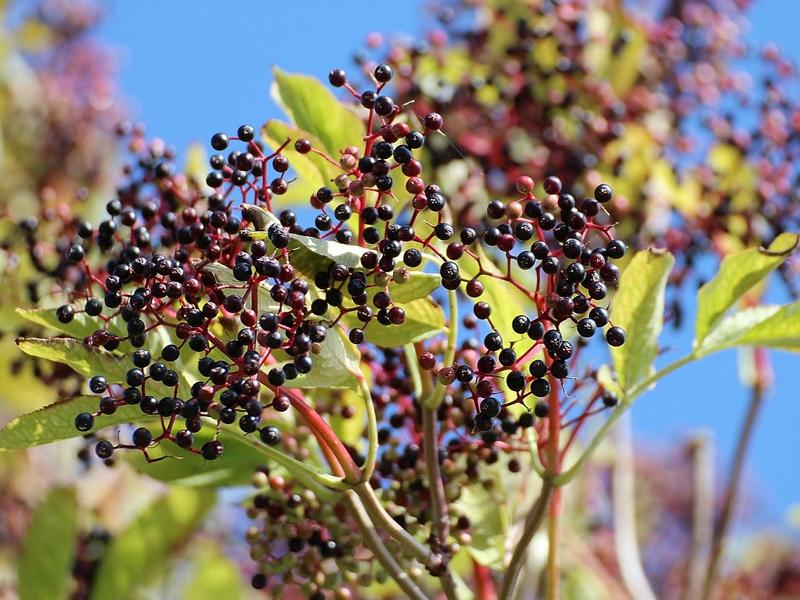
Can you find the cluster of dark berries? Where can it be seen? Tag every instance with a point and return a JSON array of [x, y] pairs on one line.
[[558, 253]]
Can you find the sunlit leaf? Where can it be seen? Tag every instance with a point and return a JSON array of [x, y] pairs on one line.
[[738, 273], [86, 360], [313, 108], [638, 307], [419, 285], [424, 319], [312, 170], [214, 575], [57, 422], [336, 365]]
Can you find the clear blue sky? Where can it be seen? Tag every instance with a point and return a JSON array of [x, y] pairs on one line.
[[192, 68]]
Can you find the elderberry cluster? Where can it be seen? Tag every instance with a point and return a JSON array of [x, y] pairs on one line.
[[564, 253]]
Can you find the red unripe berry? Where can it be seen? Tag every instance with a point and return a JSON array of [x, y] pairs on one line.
[[249, 318], [524, 184], [401, 129], [412, 168], [415, 185], [427, 361]]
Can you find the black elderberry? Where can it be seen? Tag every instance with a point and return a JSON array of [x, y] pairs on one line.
[[84, 421], [212, 450], [603, 192], [104, 449], [615, 336], [540, 387], [270, 435]]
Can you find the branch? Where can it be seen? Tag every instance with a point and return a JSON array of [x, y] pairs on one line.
[[532, 523], [624, 506], [702, 450], [374, 542]]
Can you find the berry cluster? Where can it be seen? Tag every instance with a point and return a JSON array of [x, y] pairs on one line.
[[221, 307]]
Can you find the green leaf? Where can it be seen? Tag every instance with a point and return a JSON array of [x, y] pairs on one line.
[[313, 171], [45, 567], [57, 422], [489, 515], [313, 108], [738, 273], [140, 553], [235, 467], [224, 277], [506, 300], [312, 255], [259, 217], [86, 360], [336, 365], [769, 326], [419, 285], [424, 319], [81, 325], [638, 307], [214, 576]]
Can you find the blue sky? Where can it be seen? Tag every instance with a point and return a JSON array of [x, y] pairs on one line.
[[189, 69]]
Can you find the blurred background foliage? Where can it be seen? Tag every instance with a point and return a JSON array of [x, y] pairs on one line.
[[635, 104]]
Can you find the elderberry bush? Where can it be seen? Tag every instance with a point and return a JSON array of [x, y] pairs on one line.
[[311, 315]]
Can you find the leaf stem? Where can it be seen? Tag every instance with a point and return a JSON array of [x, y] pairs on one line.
[[624, 510], [570, 473], [379, 516], [374, 542], [372, 429], [452, 342]]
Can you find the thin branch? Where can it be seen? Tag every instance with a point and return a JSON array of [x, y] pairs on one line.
[[532, 523], [441, 520], [376, 545], [702, 450], [624, 506], [732, 490]]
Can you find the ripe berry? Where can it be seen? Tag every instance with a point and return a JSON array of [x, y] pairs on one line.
[[142, 437], [603, 192], [212, 450], [540, 388], [383, 73], [84, 421], [104, 449], [490, 407], [219, 141], [615, 336], [270, 435], [337, 78]]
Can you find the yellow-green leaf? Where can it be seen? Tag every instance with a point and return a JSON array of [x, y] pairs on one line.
[[45, 567], [57, 422], [86, 360], [214, 576], [336, 365], [638, 307], [424, 319], [737, 274], [313, 108], [313, 171]]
